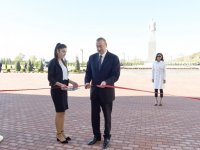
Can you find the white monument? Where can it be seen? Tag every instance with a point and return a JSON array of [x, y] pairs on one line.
[[152, 41], [1, 138]]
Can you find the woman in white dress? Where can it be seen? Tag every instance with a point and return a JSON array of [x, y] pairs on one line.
[[159, 77]]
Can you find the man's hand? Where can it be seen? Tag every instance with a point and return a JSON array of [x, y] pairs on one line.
[[102, 85], [87, 85], [62, 86], [75, 85]]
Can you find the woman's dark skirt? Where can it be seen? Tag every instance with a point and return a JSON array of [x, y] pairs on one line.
[[60, 99]]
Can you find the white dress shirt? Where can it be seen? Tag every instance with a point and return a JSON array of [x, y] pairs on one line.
[[64, 70], [103, 56]]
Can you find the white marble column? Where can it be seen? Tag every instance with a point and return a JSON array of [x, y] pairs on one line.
[[152, 41], [1, 138]]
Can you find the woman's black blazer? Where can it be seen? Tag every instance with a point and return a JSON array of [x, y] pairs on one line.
[[55, 73]]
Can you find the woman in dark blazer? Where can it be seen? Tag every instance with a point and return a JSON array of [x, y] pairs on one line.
[[58, 79]]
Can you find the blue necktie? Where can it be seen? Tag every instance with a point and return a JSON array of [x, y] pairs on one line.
[[100, 61]]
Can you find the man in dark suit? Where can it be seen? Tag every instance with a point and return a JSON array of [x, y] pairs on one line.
[[103, 68]]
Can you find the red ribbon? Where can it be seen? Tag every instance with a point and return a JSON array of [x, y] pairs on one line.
[[106, 86]]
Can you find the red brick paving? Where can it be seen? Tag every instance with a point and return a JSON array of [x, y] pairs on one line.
[[27, 118]]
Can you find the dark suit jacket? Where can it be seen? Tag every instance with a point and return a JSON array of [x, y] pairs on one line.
[[55, 73], [109, 72]]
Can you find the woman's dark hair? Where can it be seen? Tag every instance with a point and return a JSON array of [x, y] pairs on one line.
[[58, 47], [159, 54]]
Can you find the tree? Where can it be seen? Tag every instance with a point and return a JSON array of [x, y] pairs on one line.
[[34, 61], [2, 60], [41, 66], [30, 66], [17, 66], [9, 61], [19, 57], [25, 66], [77, 64], [6, 65]]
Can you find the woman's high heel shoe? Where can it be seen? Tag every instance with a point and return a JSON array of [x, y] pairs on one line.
[[66, 137], [64, 141]]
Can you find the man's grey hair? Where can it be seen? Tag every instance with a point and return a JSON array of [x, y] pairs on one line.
[[101, 39]]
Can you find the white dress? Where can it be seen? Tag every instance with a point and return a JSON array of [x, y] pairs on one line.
[[158, 74]]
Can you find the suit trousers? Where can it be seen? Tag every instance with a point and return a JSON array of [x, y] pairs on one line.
[[96, 106]]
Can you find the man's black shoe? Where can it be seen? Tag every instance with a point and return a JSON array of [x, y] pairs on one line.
[[106, 143], [94, 140]]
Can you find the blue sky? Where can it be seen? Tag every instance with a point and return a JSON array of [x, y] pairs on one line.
[[33, 27]]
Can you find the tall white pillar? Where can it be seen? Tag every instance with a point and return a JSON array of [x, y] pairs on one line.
[[1, 138], [152, 41]]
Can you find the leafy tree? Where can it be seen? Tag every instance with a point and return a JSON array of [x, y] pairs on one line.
[[17, 66], [19, 57], [41, 66], [30, 66], [6, 65], [77, 64], [33, 59]]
